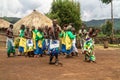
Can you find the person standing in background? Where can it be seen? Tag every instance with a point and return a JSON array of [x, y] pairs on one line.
[[82, 34], [75, 50]]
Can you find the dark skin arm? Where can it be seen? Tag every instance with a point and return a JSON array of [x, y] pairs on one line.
[[95, 34]]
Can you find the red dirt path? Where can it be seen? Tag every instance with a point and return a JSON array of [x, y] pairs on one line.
[[21, 68]]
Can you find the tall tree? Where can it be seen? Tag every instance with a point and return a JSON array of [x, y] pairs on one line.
[[112, 19], [66, 12], [107, 28]]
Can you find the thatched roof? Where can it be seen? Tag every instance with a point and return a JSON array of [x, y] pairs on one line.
[[34, 19], [4, 23]]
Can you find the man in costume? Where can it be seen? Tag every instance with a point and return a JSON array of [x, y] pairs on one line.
[[29, 44], [39, 39], [54, 42], [10, 44], [22, 43]]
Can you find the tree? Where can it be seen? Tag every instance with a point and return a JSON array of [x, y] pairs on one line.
[[107, 2], [107, 28], [66, 12]]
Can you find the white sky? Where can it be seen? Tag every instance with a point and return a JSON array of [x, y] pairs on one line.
[[90, 9]]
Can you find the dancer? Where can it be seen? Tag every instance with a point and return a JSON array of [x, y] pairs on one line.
[[34, 33], [69, 37], [62, 38], [10, 44], [39, 38], [82, 33], [54, 43], [46, 36], [22, 43], [75, 50], [89, 45], [29, 44]]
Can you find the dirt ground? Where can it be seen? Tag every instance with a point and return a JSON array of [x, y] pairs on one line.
[[21, 68]]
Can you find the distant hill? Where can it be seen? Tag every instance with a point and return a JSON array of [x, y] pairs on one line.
[[11, 19], [98, 23], [92, 23]]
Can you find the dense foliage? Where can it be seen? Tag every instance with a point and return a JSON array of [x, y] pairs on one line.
[[107, 28], [106, 1], [66, 12]]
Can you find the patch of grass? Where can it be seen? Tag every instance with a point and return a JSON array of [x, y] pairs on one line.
[[110, 45]]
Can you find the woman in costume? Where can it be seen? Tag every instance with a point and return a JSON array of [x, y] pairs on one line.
[[22, 43], [69, 37], [89, 45], [62, 38]]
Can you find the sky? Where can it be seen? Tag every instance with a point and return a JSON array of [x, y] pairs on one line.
[[90, 9]]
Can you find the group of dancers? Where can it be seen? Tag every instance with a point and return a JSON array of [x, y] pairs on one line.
[[52, 41]]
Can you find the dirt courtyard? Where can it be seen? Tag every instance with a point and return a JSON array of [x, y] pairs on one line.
[[21, 68]]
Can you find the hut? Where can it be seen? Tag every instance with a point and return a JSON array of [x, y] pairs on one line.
[[4, 25], [34, 19]]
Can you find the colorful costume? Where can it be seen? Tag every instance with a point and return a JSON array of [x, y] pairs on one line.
[[74, 45], [68, 41], [63, 47], [88, 49], [34, 33], [22, 43], [39, 40], [82, 34], [10, 46]]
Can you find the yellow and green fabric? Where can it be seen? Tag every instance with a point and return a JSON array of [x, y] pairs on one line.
[[22, 43], [88, 48], [39, 40], [62, 41], [68, 41]]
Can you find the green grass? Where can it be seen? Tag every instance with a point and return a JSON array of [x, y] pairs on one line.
[[110, 45], [102, 35]]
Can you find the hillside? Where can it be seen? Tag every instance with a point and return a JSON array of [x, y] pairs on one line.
[[98, 23], [11, 19], [92, 23]]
